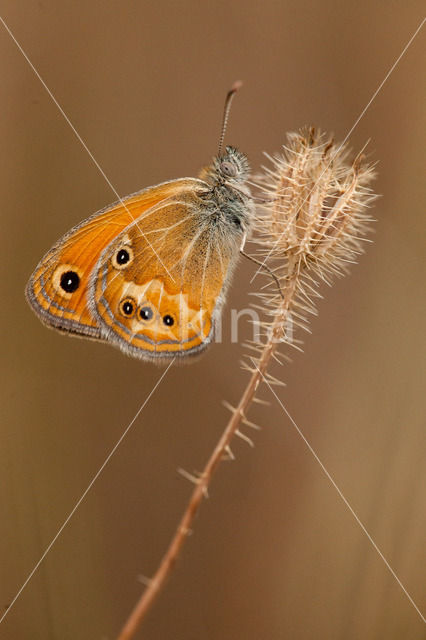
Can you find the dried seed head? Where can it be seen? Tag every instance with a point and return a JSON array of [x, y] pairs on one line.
[[315, 215], [311, 226]]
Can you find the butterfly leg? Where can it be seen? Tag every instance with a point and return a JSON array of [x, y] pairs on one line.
[[263, 266]]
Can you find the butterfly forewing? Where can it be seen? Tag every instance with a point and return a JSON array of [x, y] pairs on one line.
[[58, 289]]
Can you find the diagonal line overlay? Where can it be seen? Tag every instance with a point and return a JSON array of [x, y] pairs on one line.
[[361, 115], [341, 495], [80, 139], [86, 491]]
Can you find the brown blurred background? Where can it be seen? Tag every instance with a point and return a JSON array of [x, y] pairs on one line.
[[275, 553]]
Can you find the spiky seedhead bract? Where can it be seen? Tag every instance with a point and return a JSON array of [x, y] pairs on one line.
[[313, 219]]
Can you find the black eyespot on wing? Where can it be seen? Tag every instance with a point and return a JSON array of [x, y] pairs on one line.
[[146, 313], [127, 307], [69, 281], [236, 221], [168, 320], [122, 258]]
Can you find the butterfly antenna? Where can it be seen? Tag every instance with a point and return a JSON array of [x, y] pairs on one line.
[[228, 101]]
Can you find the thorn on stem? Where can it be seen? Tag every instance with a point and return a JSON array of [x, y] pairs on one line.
[[196, 478], [229, 455], [243, 436]]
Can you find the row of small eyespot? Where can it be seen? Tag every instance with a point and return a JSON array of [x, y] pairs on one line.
[[128, 309]]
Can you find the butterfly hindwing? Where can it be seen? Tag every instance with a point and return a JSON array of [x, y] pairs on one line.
[[157, 287]]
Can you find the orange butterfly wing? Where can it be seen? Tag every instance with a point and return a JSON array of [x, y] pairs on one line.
[[58, 289], [158, 293]]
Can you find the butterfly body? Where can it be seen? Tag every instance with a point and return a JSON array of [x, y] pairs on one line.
[[149, 274]]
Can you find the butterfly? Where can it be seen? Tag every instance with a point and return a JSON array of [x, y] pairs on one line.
[[149, 273]]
